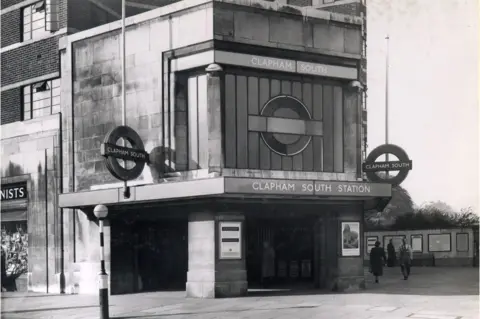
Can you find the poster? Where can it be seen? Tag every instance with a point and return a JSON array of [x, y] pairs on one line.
[[230, 240], [350, 239], [417, 245]]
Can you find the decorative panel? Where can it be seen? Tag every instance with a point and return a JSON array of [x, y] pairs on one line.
[[280, 123]]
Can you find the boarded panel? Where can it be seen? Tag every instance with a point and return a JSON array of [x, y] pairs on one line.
[[264, 97], [308, 152], [298, 159], [275, 159], [242, 122], [192, 123], [253, 137], [327, 128], [338, 129], [230, 122], [317, 141], [287, 161]]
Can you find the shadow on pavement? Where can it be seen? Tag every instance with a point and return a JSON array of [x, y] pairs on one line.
[[191, 313], [44, 309], [15, 295], [424, 281]]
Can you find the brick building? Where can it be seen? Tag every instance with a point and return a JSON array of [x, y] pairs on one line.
[[31, 38], [61, 95]]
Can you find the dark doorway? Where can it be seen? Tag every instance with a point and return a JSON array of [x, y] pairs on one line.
[[292, 243], [149, 255]]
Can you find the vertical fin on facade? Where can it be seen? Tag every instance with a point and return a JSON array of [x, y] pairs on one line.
[[52, 15]]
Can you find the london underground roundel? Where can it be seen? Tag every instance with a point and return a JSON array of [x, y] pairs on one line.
[[289, 126]]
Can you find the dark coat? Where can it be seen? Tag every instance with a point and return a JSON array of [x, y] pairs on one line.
[[377, 260]]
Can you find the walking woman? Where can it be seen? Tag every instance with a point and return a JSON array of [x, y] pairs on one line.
[[377, 260]]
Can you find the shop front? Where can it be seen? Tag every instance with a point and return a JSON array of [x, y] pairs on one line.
[[30, 218]]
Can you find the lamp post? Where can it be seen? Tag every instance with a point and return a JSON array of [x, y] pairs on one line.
[[101, 212]]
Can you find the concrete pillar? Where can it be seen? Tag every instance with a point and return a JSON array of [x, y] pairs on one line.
[[215, 115], [87, 242], [208, 275], [201, 255], [350, 269]]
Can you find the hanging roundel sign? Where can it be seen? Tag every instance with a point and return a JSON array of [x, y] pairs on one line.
[[113, 153], [285, 125], [403, 165]]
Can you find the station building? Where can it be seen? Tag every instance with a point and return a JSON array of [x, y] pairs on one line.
[[255, 125]]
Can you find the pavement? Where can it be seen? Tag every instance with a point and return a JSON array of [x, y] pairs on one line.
[[430, 293]]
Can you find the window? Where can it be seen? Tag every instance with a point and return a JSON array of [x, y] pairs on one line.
[[197, 122], [439, 242], [328, 1], [462, 242], [40, 99], [34, 17], [417, 243]]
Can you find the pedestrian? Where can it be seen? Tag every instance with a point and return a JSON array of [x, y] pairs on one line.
[[268, 264], [377, 260], [406, 256], [391, 254]]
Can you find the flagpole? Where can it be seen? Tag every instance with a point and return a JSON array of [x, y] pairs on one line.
[[386, 94], [124, 93]]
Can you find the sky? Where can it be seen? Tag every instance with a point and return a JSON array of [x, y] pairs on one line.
[[433, 84]]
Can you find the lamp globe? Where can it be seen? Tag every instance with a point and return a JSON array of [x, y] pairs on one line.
[[100, 211]]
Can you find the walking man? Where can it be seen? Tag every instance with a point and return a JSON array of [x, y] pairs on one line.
[[406, 256]]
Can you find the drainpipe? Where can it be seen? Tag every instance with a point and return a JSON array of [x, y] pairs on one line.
[[62, 244]]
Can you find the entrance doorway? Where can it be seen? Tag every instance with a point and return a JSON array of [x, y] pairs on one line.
[[149, 255], [282, 248]]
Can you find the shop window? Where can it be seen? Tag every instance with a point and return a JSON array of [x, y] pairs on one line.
[[15, 243], [462, 242], [416, 243], [439, 242], [41, 99]]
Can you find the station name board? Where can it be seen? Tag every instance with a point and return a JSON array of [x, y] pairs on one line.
[[286, 65], [124, 153], [12, 192], [295, 187]]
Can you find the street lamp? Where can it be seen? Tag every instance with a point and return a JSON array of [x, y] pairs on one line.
[[101, 212]]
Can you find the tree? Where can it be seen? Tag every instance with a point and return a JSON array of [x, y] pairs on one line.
[[400, 204], [439, 205], [434, 218]]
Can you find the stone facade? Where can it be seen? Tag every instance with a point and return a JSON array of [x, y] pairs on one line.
[[158, 95], [31, 153]]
